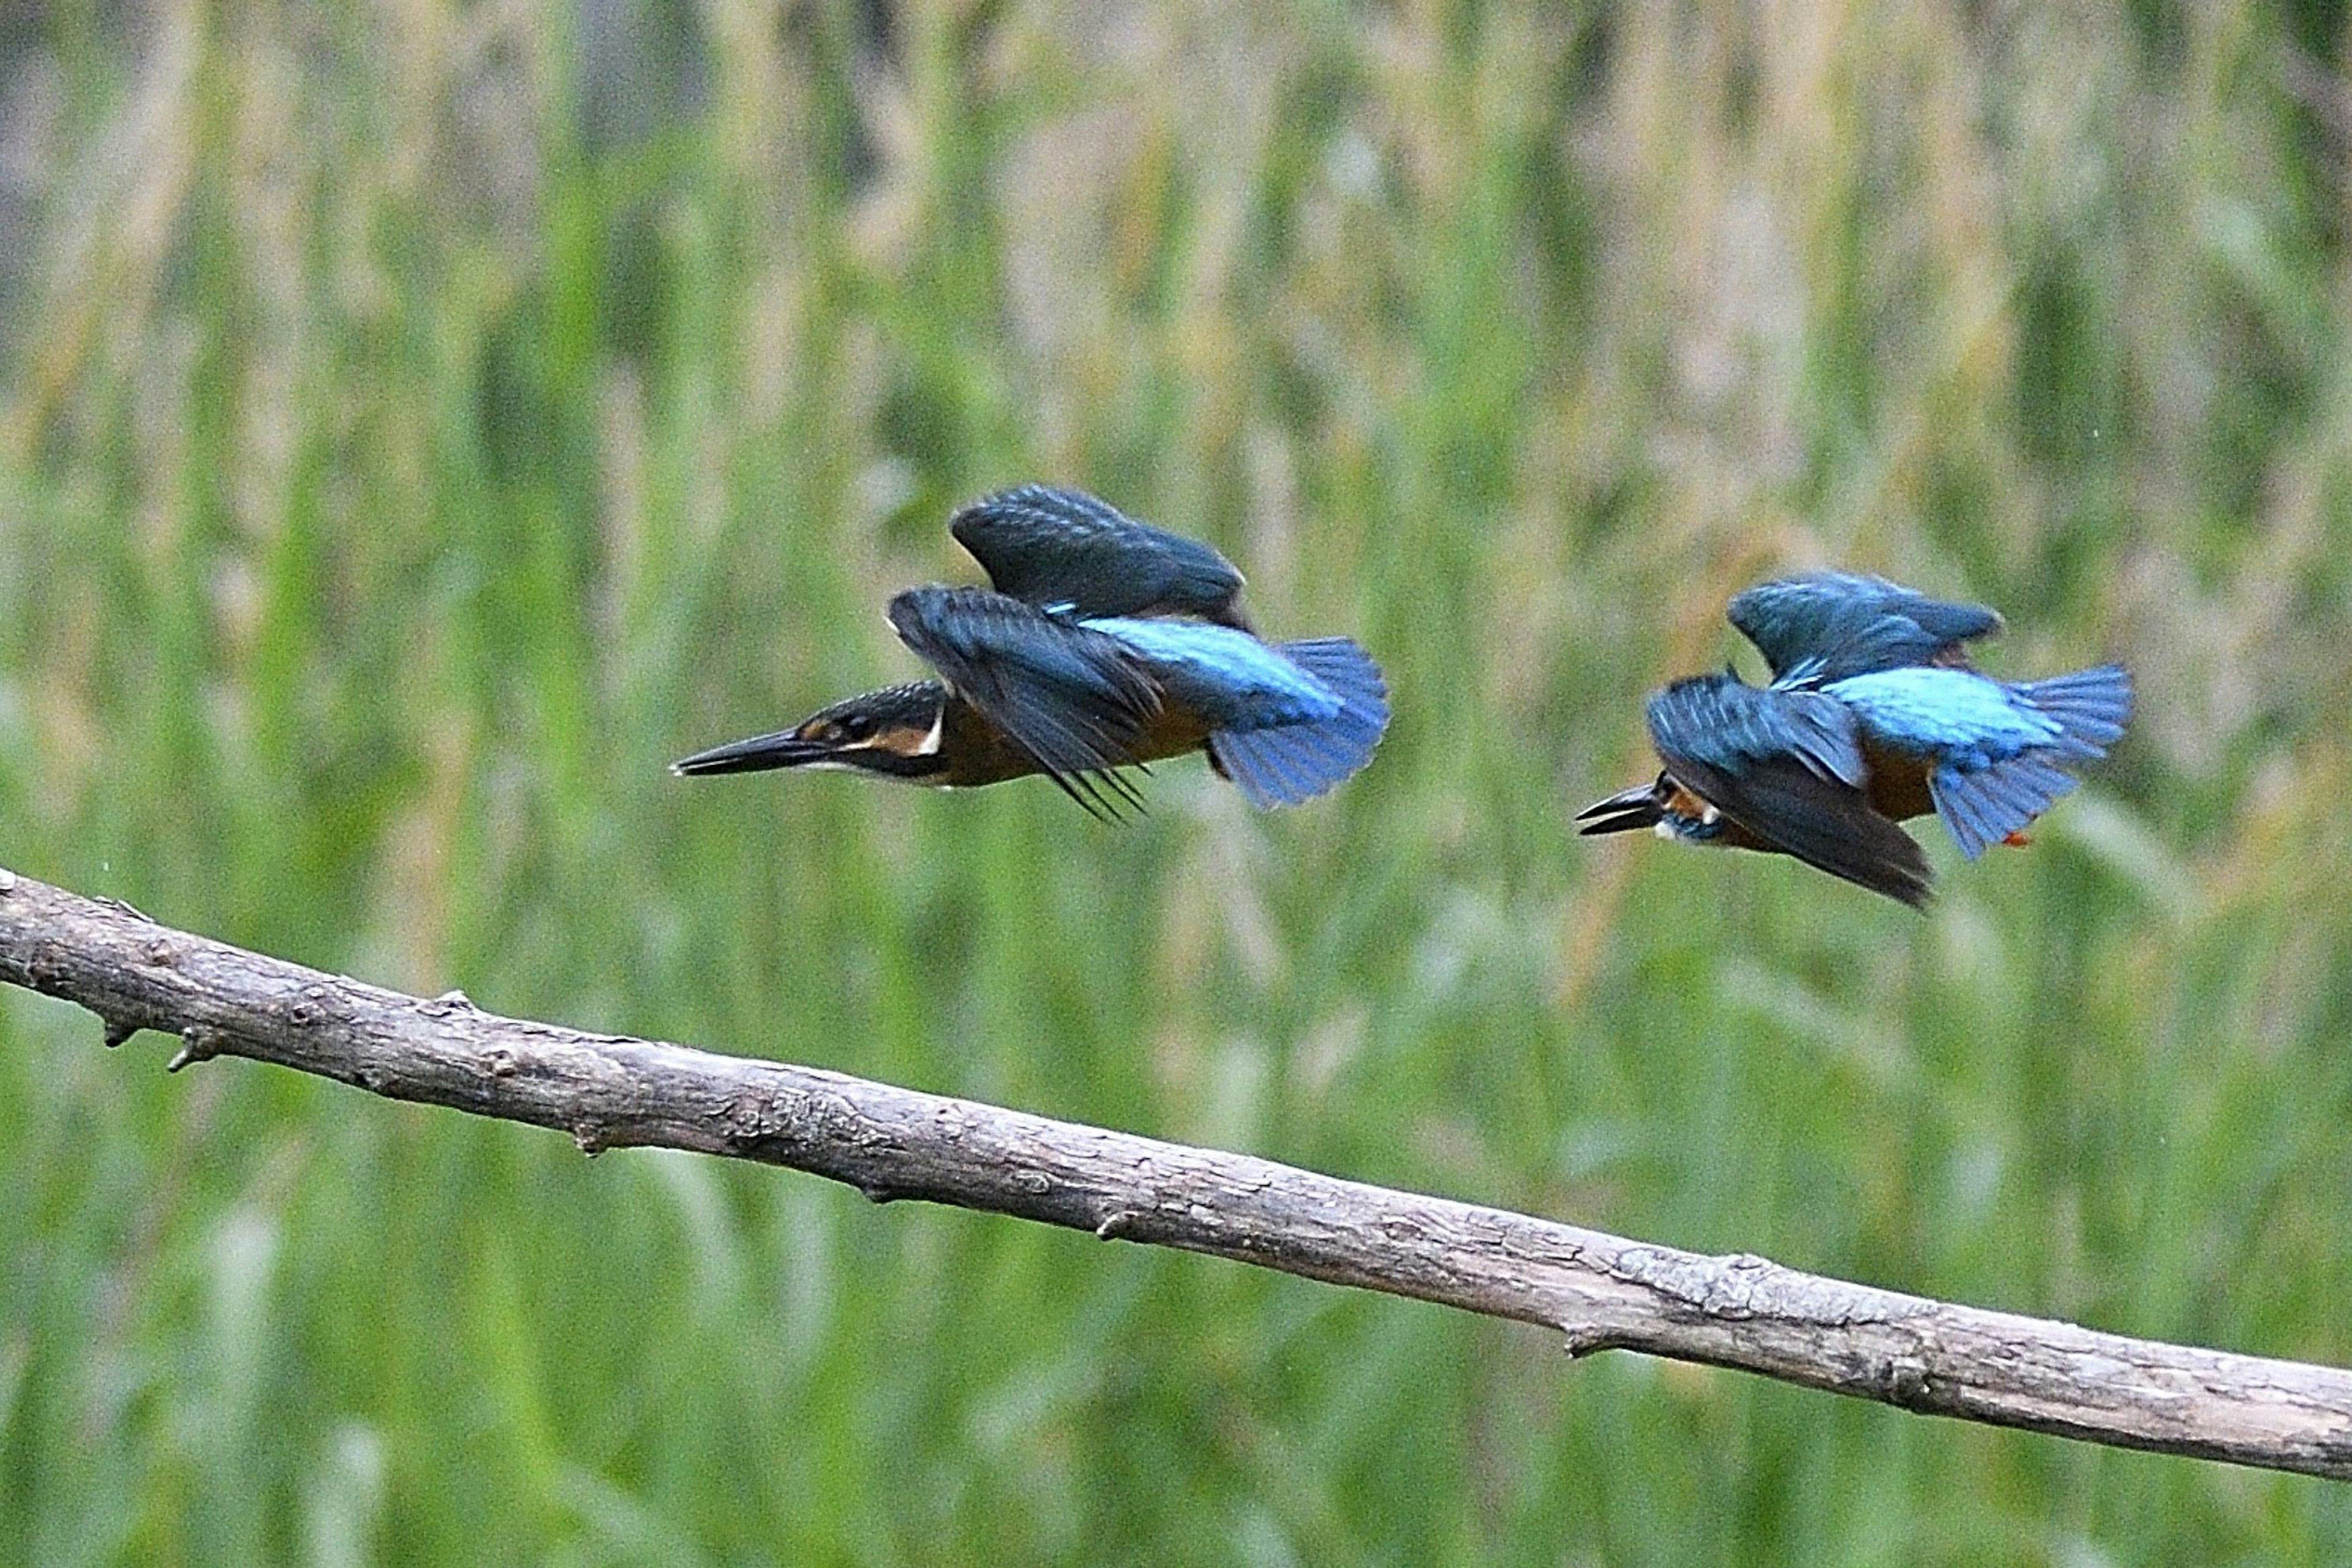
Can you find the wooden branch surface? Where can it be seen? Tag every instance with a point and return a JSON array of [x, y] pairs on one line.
[[1601, 1291]]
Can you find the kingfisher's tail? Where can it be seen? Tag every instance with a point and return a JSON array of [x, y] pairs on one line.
[[1287, 763], [2090, 705], [1985, 804]]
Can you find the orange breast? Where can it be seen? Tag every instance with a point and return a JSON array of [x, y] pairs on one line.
[[1171, 734], [1897, 786], [980, 755]]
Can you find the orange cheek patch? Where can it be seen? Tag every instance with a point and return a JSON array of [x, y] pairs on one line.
[[1685, 804]]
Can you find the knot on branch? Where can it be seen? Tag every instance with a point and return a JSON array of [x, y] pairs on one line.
[[1581, 1340], [1904, 1381], [197, 1044], [304, 1010]]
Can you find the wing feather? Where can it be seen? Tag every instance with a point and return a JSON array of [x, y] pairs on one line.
[[1074, 699], [1826, 625], [1786, 766], [1081, 554]]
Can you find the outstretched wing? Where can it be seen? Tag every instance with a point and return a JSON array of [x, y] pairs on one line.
[[1071, 697], [1070, 550], [1786, 766], [1827, 625]]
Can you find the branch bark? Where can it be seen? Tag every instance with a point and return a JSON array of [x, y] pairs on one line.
[[1599, 1291]]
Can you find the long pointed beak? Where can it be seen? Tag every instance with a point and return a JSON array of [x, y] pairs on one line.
[[1622, 812], [757, 754]]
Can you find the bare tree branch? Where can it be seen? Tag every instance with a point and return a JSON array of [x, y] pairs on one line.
[[1601, 1291]]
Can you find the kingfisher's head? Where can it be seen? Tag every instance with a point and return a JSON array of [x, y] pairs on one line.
[[895, 733], [1665, 808]]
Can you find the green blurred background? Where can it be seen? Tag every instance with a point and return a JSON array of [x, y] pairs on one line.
[[421, 422]]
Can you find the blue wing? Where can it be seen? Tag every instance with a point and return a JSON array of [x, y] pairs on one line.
[[1724, 723], [1077, 700], [1827, 625], [1997, 749], [1788, 767], [1286, 723], [1070, 550]]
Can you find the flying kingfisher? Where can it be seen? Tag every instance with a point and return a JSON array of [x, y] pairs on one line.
[[1104, 643], [1874, 715]]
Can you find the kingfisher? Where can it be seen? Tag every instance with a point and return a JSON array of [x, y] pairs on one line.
[[1101, 644], [1874, 714]]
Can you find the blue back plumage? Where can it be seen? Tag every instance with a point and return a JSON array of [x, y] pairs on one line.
[[1228, 677], [1995, 751], [1287, 721], [1943, 713], [1827, 625]]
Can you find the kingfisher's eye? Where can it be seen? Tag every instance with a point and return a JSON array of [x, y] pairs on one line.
[[858, 727]]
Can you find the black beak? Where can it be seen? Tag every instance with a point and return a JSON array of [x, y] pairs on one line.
[[758, 754], [1625, 810]]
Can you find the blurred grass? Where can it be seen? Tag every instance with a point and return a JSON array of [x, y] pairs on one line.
[[422, 422]]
